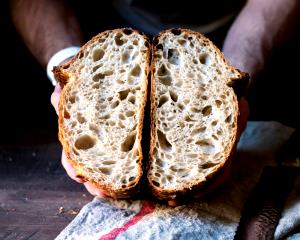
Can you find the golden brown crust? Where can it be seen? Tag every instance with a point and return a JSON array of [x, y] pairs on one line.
[[199, 186], [63, 74]]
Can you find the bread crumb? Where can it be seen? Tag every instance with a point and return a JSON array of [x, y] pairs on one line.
[[60, 210], [73, 212]]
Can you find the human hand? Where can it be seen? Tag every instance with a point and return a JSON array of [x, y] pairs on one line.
[[243, 116], [66, 164]]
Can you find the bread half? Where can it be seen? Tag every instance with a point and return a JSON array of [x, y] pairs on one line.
[[194, 113], [101, 110]]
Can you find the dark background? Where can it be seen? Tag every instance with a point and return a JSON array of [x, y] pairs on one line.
[[33, 184]]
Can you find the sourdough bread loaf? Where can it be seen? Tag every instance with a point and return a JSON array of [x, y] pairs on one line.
[[194, 112], [101, 110]]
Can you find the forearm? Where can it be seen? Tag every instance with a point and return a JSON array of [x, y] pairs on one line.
[[46, 26], [261, 26]]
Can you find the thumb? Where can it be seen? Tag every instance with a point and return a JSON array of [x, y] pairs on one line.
[[55, 97]]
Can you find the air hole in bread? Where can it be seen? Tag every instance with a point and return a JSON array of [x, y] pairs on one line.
[[219, 132], [176, 31], [204, 59], [160, 164], [195, 110], [98, 54], [112, 123], [189, 141], [204, 97], [162, 100], [66, 114], [182, 42], [96, 68], [93, 128], [163, 141], [123, 94], [163, 71], [115, 104], [66, 66], [96, 86], [119, 81], [121, 116], [105, 171], [214, 123], [187, 118], [228, 119], [118, 39], [80, 55], [157, 174], [121, 125], [72, 99], [136, 71], [131, 179], [155, 183], [125, 57], [181, 106], [198, 130], [158, 56], [192, 155], [207, 110], [173, 95], [215, 137], [98, 76], [178, 83], [218, 103], [204, 142], [173, 56], [127, 31], [80, 118], [131, 99], [109, 162], [85, 142], [135, 42], [195, 61], [129, 113], [105, 117], [167, 80], [171, 118], [208, 165], [218, 71], [128, 143], [159, 47], [131, 81]]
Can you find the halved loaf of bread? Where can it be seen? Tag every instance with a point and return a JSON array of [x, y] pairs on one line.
[[101, 110], [194, 113]]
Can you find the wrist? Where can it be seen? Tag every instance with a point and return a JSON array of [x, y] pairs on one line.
[[58, 58]]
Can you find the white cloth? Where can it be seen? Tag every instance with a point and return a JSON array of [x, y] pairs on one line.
[[215, 217]]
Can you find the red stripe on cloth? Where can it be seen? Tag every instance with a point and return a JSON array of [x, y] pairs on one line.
[[147, 207]]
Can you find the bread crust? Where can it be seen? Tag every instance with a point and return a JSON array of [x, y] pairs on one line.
[[197, 187], [63, 76]]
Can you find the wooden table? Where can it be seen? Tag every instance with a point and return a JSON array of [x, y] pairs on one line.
[[37, 198]]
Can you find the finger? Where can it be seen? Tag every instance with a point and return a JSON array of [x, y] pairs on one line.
[[69, 169], [55, 97], [243, 117], [93, 190]]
